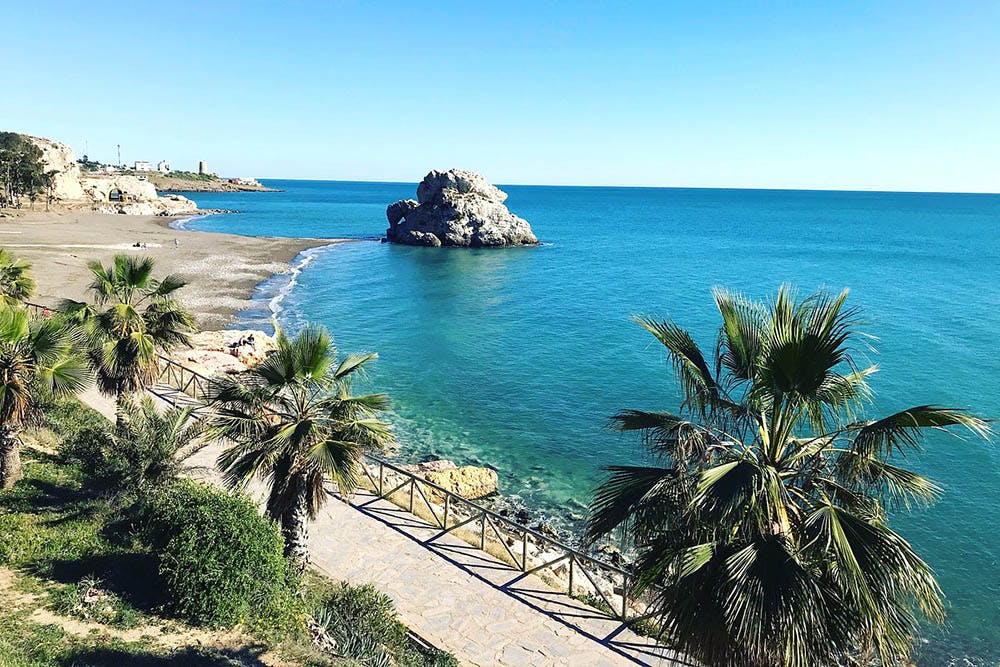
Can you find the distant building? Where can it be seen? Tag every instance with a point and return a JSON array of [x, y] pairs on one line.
[[245, 181], [163, 167], [202, 167], [142, 165]]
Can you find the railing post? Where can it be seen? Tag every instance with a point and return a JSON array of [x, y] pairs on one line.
[[482, 535], [569, 591], [413, 482], [381, 472], [624, 598], [524, 552], [447, 502]]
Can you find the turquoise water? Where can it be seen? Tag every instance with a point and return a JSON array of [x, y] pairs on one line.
[[515, 358]]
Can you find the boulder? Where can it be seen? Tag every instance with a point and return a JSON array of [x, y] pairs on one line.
[[470, 482], [227, 342], [456, 208]]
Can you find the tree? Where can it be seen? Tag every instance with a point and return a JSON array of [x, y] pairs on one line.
[[35, 357], [761, 522], [21, 168], [134, 318], [149, 447], [16, 283], [295, 423]]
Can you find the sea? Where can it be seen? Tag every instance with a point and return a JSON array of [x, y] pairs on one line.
[[515, 358]]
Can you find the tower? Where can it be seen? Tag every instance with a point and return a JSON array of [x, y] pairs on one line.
[[202, 167]]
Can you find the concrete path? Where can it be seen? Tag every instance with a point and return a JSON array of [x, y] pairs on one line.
[[454, 595]]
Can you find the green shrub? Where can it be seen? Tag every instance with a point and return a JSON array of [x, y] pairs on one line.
[[90, 601], [219, 561], [366, 627], [66, 417]]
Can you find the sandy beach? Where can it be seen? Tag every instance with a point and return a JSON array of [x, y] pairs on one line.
[[221, 269]]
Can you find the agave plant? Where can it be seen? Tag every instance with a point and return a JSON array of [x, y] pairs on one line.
[[761, 522], [295, 423], [36, 356], [134, 317], [16, 283]]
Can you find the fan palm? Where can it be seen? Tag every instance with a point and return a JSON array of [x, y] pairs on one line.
[[16, 283], [152, 444], [760, 525], [35, 356], [134, 317], [295, 423]]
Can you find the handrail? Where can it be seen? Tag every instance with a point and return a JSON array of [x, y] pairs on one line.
[[479, 513]]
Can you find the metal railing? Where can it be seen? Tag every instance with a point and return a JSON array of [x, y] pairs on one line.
[[528, 550]]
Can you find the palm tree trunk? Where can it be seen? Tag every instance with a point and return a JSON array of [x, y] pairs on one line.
[[295, 526], [10, 459], [120, 399]]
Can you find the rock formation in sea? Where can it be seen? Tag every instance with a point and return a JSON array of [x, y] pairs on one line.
[[470, 482], [456, 208]]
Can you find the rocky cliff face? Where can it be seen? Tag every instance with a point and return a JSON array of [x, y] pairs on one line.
[[456, 208], [132, 196], [60, 158]]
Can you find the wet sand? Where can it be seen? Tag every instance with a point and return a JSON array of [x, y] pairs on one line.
[[221, 269]]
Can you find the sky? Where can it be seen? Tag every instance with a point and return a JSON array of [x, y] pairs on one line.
[[826, 95]]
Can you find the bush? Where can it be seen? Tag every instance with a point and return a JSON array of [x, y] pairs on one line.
[[365, 625], [219, 561], [67, 417]]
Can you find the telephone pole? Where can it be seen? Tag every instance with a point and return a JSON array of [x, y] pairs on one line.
[[119, 155]]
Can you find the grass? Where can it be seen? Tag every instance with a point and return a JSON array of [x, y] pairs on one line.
[[78, 588]]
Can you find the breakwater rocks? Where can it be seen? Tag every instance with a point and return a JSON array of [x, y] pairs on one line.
[[456, 208]]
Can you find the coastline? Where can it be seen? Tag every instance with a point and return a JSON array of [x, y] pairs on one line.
[[222, 270]]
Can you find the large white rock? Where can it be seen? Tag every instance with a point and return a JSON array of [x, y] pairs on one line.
[[134, 196], [456, 208], [61, 159]]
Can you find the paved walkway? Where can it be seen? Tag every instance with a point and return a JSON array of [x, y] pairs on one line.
[[454, 595]]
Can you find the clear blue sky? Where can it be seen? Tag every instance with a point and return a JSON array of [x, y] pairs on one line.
[[838, 95]]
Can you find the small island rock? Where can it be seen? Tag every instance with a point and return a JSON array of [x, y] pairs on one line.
[[456, 208]]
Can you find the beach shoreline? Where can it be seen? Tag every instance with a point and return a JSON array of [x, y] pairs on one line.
[[222, 270]]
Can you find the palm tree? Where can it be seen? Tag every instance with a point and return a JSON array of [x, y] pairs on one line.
[[154, 443], [760, 524], [295, 423], [134, 318], [16, 283], [35, 356]]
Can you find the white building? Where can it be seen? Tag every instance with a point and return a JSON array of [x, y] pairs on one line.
[[163, 167], [142, 165]]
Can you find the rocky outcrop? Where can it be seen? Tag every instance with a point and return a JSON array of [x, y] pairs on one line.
[[220, 352], [470, 482], [456, 208], [106, 193], [61, 159]]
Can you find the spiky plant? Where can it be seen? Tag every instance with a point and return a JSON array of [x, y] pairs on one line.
[[36, 356], [761, 524], [295, 424], [134, 317], [16, 283], [152, 444]]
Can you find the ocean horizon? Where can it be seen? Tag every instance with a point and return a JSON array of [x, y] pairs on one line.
[[515, 358]]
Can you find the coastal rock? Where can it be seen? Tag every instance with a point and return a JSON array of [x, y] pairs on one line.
[[456, 208], [105, 193], [470, 482], [60, 158], [227, 342], [467, 481]]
